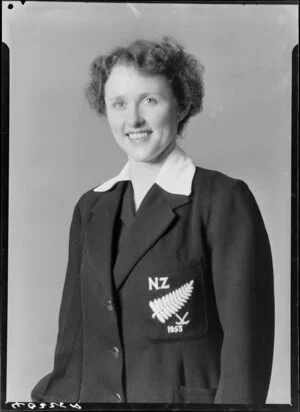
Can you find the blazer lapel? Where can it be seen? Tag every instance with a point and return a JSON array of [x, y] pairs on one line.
[[100, 234], [153, 218]]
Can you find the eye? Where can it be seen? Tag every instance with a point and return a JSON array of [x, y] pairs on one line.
[[150, 101], [119, 104]]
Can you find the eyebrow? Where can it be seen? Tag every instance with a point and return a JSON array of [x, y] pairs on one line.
[[141, 96]]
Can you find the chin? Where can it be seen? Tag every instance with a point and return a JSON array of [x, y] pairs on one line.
[[142, 155], [142, 158], [146, 153]]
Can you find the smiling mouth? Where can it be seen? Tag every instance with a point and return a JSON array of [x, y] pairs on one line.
[[138, 136]]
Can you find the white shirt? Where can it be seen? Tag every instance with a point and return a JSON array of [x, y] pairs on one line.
[[175, 176]]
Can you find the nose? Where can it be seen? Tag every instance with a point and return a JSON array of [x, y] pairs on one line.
[[135, 117]]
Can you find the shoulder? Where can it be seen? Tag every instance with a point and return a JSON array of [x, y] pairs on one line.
[[214, 181], [87, 201], [90, 201], [214, 184], [223, 195]]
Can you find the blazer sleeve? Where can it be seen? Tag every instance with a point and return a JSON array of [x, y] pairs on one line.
[[243, 280], [63, 384]]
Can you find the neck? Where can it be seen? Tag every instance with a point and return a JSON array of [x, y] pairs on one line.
[[144, 173]]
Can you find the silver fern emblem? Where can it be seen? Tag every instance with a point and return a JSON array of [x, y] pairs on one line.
[[166, 306]]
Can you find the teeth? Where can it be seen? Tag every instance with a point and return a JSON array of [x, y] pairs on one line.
[[140, 135]]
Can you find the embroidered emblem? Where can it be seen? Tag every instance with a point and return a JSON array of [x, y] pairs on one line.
[[166, 306], [181, 320], [158, 283]]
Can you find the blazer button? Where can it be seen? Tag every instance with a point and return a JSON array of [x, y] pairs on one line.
[[117, 397], [115, 352], [109, 305]]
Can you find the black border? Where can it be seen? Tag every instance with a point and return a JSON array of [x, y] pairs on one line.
[[4, 210], [295, 230], [245, 3]]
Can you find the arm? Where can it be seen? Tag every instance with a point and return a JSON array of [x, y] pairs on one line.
[[63, 384], [243, 280]]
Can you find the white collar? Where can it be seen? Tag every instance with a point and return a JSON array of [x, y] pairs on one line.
[[175, 176]]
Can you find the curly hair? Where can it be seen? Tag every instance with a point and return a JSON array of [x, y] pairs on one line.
[[167, 57]]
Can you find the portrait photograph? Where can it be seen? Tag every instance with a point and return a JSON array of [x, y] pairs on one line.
[[148, 188]]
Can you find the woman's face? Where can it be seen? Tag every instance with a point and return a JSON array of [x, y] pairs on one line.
[[142, 113]]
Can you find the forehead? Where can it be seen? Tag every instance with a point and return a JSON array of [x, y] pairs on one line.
[[128, 80]]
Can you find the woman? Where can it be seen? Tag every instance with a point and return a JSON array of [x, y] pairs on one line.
[[168, 294]]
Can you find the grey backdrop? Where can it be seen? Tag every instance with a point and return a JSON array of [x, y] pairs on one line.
[[59, 148]]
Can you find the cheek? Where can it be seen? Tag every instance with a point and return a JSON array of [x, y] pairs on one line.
[[164, 119], [115, 123], [169, 120]]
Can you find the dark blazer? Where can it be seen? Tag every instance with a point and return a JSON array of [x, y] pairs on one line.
[[192, 315]]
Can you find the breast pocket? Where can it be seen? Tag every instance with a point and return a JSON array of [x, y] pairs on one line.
[[174, 304]]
